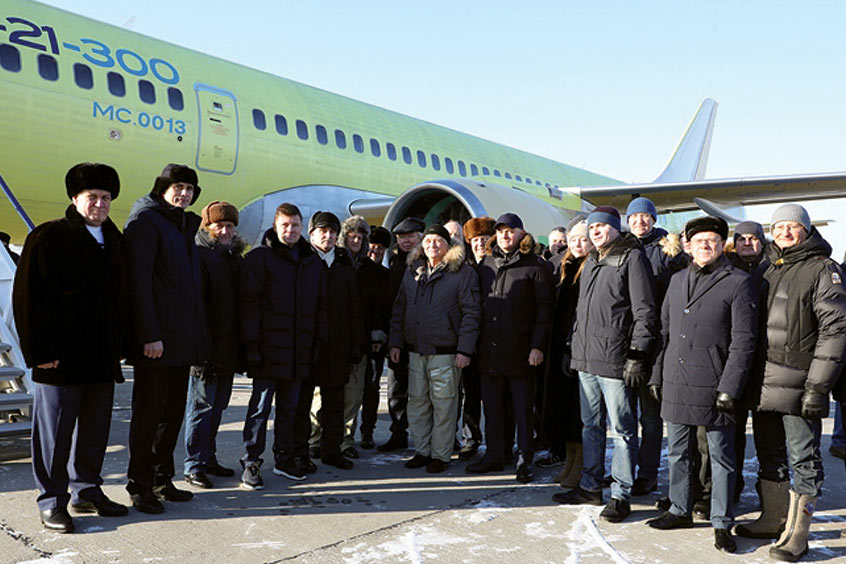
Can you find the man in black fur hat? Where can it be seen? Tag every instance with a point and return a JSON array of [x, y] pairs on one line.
[[70, 308]]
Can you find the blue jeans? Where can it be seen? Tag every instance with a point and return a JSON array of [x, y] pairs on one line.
[[287, 393], [599, 396], [838, 435], [682, 447], [779, 436], [208, 395]]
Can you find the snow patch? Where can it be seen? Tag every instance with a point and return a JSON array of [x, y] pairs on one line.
[[410, 547], [537, 530], [584, 537], [261, 544], [61, 558]]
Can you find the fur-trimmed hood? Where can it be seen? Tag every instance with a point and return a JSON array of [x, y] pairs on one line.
[[453, 259], [671, 244], [527, 245]]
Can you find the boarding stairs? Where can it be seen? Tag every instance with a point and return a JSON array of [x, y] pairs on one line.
[[15, 379]]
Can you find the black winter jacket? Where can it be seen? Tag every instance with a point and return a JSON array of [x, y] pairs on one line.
[[664, 260], [70, 301], [283, 309], [616, 316], [346, 326], [708, 339], [437, 314], [165, 283], [806, 324], [221, 268], [517, 302], [371, 279]]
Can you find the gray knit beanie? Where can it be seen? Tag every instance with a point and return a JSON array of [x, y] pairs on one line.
[[792, 212], [749, 228]]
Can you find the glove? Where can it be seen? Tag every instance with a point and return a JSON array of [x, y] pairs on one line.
[[635, 373], [565, 362], [725, 403], [814, 404], [655, 392]]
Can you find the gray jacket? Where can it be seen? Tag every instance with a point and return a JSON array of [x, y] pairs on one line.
[[438, 313]]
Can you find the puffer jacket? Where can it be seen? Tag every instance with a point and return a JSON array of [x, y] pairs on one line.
[[437, 313], [616, 317], [806, 324], [708, 339], [284, 320], [517, 303]]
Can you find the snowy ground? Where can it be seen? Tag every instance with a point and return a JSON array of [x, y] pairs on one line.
[[377, 512]]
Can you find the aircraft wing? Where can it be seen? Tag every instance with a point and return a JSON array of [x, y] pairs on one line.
[[679, 196]]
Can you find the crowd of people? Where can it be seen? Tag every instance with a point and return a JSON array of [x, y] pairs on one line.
[[611, 324]]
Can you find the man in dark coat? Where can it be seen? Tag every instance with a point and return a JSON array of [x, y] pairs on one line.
[[517, 302], [409, 233], [380, 241], [320, 417], [616, 327], [70, 306], [283, 326], [708, 334], [805, 345], [169, 323], [210, 386], [370, 281], [436, 320]]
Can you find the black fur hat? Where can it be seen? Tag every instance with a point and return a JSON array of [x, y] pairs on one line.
[[92, 176], [708, 223], [176, 173], [380, 235]]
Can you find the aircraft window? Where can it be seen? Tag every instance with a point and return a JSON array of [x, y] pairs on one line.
[[485, 171], [528, 180], [82, 76], [302, 130], [174, 99], [340, 139], [518, 178], [322, 137], [148, 92], [375, 149], [497, 173], [47, 67], [116, 84], [448, 165], [547, 185], [538, 183], [406, 155], [421, 159], [10, 58], [508, 175], [258, 119], [462, 168], [474, 170], [392, 151], [358, 143], [436, 162], [281, 124]]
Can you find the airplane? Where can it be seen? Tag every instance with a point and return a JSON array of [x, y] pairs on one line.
[[74, 89]]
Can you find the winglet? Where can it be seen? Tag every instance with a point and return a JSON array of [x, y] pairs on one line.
[[691, 156]]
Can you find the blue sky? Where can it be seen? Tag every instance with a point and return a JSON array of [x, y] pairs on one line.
[[605, 85]]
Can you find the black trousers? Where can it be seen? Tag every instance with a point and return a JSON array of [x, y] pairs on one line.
[[370, 399], [398, 396], [159, 396], [470, 406], [331, 417], [495, 390], [70, 431]]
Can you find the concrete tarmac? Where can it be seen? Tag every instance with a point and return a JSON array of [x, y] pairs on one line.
[[377, 512]]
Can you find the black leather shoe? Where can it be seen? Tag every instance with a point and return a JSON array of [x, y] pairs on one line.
[[218, 470], [198, 479], [314, 452], [417, 461], [669, 520], [170, 492], [305, 464], [394, 443], [147, 503], [102, 507], [468, 451], [337, 460], [350, 452], [524, 473], [57, 519], [724, 541], [367, 441], [436, 466], [483, 467], [616, 510], [578, 496]]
